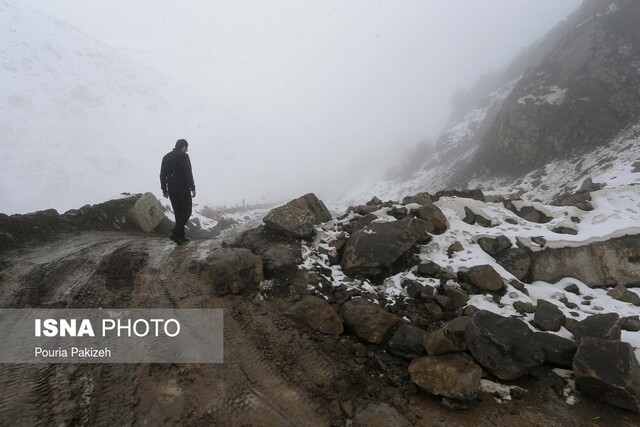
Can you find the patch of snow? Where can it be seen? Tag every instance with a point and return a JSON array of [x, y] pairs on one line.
[[569, 391], [499, 391], [553, 96], [613, 8]]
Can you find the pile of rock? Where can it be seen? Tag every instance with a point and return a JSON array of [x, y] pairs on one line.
[[450, 344]]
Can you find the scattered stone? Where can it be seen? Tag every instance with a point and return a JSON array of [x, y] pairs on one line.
[[515, 261], [280, 254], [493, 246], [565, 230], [471, 217], [524, 307], [434, 311], [407, 342], [369, 251], [505, 346], [420, 198], [475, 194], [448, 375], [588, 185], [540, 241], [444, 302], [375, 201], [484, 277], [630, 323], [608, 371], [531, 214], [603, 326], [232, 270], [573, 288], [334, 409], [347, 408], [470, 310], [298, 217], [458, 297], [621, 293], [448, 339], [455, 247], [636, 167], [379, 415], [557, 351], [419, 291], [317, 314], [434, 216], [369, 321], [399, 212], [519, 286], [570, 323], [429, 269], [548, 317]]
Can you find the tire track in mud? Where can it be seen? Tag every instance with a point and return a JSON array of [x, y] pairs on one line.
[[250, 387]]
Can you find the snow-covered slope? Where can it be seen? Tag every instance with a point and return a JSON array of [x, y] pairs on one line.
[[79, 121]]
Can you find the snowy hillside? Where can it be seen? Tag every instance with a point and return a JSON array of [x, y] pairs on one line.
[[79, 120]]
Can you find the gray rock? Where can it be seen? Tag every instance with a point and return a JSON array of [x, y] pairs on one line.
[[406, 342], [484, 277], [146, 213], [419, 291], [603, 326], [493, 246], [369, 321], [370, 251], [448, 375], [557, 351], [317, 314], [232, 270], [434, 311], [298, 217], [631, 323], [515, 261], [280, 254], [379, 415], [609, 263], [437, 221], [548, 317], [608, 371], [505, 346], [458, 297], [621, 293], [524, 307], [448, 339]]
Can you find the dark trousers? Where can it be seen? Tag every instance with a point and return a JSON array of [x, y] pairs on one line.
[[181, 204]]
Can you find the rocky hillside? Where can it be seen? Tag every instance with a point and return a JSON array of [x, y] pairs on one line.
[[581, 94], [567, 107]]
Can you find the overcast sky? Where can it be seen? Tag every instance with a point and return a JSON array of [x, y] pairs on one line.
[[318, 79]]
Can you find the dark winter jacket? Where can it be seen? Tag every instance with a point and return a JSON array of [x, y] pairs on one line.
[[175, 172]]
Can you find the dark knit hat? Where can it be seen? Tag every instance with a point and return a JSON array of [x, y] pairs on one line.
[[181, 143]]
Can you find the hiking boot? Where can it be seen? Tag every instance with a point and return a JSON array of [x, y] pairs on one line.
[[176, 239]]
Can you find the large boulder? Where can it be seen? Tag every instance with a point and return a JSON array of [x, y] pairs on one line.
[[146, 213], [280, 254], [406, 342], [231, 270], [557, 351], [298, 217], [438, 223], [448, 375], [600, 264], [494, 245], [448, 339], [608, 371], [603, 326], [505, 346], [548, 317], [515, 261], [369, 321], [317, 314], [371, 250], [484, 277]]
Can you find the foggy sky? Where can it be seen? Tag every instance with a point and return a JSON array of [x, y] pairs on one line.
[[313, 95]]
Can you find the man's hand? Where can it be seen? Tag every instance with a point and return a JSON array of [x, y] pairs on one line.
[[193, 193], [165, 194]]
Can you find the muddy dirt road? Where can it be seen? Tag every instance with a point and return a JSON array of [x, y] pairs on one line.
[[275, 372]]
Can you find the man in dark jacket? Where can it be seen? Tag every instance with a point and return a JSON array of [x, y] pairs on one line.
[[176, 182]]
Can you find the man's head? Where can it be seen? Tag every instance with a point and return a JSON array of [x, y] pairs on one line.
[[182, 145]]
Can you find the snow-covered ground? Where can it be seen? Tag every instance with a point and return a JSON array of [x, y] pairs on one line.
[[616, 213]]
